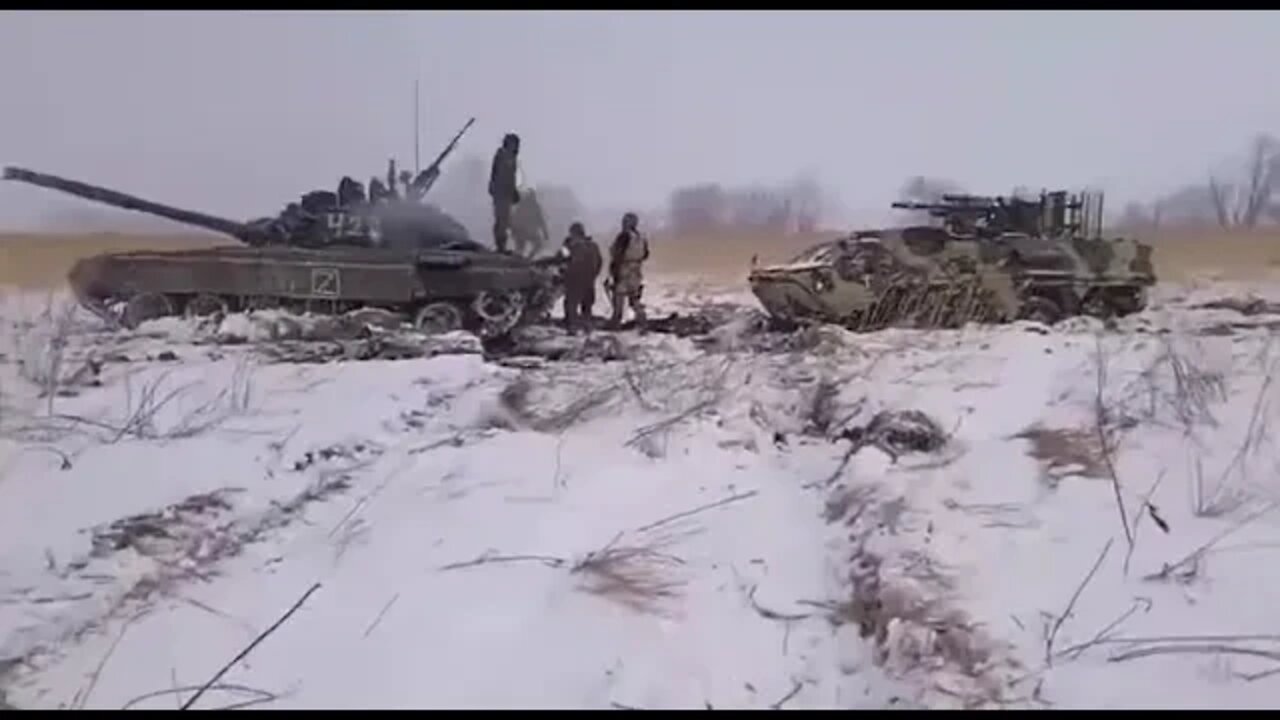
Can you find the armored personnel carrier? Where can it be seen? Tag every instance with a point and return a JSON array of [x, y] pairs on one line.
[[987, 260], [328, 253]]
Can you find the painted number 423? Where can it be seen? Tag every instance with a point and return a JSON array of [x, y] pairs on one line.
[[342, 224]]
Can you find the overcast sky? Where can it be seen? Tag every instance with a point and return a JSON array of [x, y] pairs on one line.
[[239, 113]]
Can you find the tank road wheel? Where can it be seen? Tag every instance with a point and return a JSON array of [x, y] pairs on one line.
[[1097, 304], [438, 318], [205, 305], [499, 312], [854, 321], [1128, 301], [1040, 309], [143, 307]]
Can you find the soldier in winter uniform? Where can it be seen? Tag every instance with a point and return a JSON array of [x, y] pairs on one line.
[[626, 270], [580, 276], [502, 188]]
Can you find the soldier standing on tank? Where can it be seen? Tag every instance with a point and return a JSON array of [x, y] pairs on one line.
[[502, 188], [625, 284], [583, 267]]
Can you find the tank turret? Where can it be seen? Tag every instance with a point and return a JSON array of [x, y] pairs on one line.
[[320, 219], [349, 217]]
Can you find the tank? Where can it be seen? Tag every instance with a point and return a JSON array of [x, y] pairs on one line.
[[328, 253], [979, 260]]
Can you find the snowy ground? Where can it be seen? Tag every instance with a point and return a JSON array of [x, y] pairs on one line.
[[681, 528]]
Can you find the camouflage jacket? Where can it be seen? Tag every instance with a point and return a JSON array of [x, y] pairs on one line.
[[585, 261], [630, 247]]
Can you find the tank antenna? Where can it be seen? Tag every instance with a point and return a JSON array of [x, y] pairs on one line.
[[417, 127]]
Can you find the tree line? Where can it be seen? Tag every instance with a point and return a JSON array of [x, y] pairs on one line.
[[1242, 193]]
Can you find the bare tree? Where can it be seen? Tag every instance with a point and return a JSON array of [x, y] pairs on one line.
[[1272, 209], [1244, 202], [808, 202], [798, 204], [1135, 216], [759, 207], [1142, 216], [1189, 206]]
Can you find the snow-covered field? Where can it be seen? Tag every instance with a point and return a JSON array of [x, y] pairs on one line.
[[682, 527]]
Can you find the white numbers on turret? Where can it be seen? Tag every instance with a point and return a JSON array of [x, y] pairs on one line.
[[341, 224], [374, 229], [335, 222]]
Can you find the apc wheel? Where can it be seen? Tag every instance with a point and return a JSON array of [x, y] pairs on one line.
[[143, 307], [1097, 305], [205, 306], [1040, 309], [438, 318], [1128, 302]]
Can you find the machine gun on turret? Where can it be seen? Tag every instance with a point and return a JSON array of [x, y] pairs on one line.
[[1053, 213], [960, 214], [425, 179]]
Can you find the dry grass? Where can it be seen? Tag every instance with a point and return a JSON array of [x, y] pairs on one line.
[[37, 260], [1183, 255], [1066, 451], [726, 257]]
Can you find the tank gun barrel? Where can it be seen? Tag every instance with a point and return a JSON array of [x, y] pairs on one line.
[[238, 230]]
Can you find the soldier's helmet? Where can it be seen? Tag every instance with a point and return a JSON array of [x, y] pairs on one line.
[[577, 230], [630, 220], [511, 140]]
